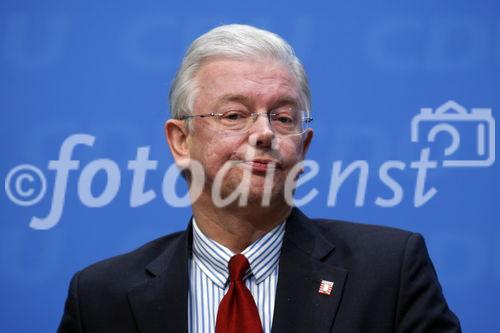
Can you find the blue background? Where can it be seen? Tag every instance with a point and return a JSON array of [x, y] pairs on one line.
[[104, 68]]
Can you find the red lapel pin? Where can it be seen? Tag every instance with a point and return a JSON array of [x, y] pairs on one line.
[[326, 287]]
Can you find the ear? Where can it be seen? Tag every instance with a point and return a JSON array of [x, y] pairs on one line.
[[306, 142], [177, 135]]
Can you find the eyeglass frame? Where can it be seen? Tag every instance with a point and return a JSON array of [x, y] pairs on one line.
[[253, 115]]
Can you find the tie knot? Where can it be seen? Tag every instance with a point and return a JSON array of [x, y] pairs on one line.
[[238, 265]]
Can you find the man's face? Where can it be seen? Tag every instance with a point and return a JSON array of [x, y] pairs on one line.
[[253, 86]]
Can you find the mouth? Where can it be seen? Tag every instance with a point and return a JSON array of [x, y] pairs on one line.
[[260, 165]]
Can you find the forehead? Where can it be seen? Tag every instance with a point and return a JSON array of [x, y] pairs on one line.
[[256, 81]]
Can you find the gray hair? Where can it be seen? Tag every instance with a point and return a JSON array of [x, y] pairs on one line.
[[233, 41]]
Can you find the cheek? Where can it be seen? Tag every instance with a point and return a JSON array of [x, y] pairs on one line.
[[290, 151], [212, 151]]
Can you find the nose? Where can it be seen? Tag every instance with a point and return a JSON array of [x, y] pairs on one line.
[[261, 133]]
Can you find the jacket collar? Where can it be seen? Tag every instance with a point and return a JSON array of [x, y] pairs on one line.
[[160, 303], [305, 265]]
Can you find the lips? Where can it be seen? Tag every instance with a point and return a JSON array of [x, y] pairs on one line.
[[262, 165]]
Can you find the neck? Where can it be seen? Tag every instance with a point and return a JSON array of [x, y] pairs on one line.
[[237, 227]]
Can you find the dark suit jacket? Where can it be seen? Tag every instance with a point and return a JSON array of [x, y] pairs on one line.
[[383, 280]]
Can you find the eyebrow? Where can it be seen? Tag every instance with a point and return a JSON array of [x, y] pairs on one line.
[[234, 98], [286, 100], [245, 100]]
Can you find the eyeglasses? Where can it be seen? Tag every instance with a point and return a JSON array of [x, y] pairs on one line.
[[284, 121]]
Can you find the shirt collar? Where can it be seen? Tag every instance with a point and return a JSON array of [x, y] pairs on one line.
[[213, 258]]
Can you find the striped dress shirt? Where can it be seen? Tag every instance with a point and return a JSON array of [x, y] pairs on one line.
[[209, 277]]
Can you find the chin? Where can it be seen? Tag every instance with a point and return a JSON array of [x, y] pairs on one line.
[[259, 196], [254, 186]]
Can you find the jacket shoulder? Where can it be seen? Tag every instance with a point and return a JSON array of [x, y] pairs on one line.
[[128, 268], [371, 242], [352, 230]]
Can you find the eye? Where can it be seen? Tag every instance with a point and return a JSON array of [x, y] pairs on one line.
[[234, 115], [284, 118]]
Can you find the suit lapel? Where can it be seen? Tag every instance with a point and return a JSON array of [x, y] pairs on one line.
[[160, 304], [303, 266]]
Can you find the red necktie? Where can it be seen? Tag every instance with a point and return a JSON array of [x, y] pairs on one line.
[[237, 311]]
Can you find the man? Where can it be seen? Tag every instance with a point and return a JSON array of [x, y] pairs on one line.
[[248, 261]]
